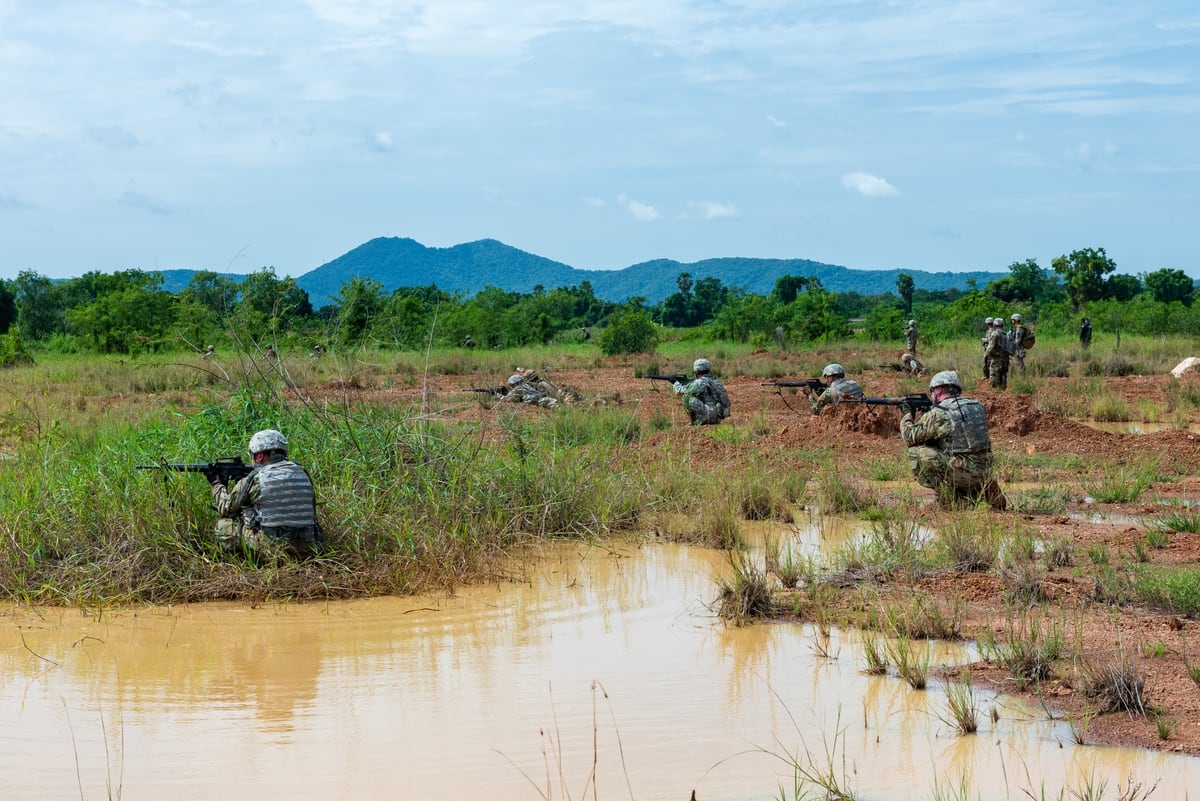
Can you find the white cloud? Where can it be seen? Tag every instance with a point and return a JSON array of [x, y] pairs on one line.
[[868, 185], [710, 210], [8, 201], [778, 123], [136, 200], [382, 141], [641, 212]]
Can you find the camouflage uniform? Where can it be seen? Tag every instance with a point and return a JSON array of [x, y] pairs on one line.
[[549, 388], [910, 337], [996, 358], [911, 365], [949, 450], [833, 394], [273, 507], [1016, 336], [525, 392], [1085, 333], [704, 399]]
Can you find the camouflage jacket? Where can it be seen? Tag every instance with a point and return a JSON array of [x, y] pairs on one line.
[[833, 394]]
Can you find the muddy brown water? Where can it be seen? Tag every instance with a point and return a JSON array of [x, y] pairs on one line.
[[599, 662]]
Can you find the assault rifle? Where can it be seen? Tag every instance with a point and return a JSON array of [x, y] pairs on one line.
[[674, 379], [917, 402], [812, 384], [498, 392], [224, 470]]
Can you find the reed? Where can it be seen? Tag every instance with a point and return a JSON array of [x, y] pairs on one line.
[[1030, 650], [912, 666], [970, 543], [874, 655], [1113, 684], [1121, 483], [960, 702], [745, 595]]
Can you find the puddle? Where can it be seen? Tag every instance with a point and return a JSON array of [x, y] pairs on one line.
[[600, 661]]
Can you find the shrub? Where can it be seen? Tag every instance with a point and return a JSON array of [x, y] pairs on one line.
[[631, 331]]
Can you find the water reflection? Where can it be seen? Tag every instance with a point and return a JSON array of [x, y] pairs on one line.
[[603, 660]]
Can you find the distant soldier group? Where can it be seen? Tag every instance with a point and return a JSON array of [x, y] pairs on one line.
[[1001, 346]]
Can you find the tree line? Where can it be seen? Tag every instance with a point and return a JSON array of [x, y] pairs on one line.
[[130, 312]]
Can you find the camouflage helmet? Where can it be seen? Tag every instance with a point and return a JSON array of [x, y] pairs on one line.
[[701, 366], [514, 379], [946, 378], [997, 321], [906, 357], [833, 369], [267, 440], [1016, 318], [912, 322], [987, 320]]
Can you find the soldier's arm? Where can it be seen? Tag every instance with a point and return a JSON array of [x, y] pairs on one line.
[[933, 425]]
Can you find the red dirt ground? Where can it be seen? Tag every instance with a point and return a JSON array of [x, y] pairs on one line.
[[1020, 426]]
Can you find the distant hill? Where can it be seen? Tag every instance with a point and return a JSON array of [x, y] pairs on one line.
[[401, 262]]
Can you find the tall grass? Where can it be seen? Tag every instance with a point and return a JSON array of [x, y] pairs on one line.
[[406, 503]]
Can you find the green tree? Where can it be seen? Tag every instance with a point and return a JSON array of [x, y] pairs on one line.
[[360, 302], [629, 331], [1165, 285], [268, 304], [132, 319], [1122, 287], [211, 290], [41, 309], [787, 287], [8, 305], [906, 287], [1028, 282], [1083, 272]]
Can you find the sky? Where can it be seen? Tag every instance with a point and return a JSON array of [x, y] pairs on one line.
[[915, 134]]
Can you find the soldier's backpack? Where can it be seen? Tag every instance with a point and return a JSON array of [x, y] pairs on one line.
[[1029, 340]]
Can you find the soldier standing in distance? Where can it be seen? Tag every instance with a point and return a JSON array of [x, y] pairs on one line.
[[1016, 338], [996, 354], [1085, 333], [910, 337]]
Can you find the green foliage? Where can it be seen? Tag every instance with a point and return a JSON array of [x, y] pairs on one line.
[[12, 351], [905, 288], [1174, 589], [1169, 286], [1083, 272], [8, 305], [629, 331]]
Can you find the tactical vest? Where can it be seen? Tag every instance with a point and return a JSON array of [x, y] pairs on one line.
[[847, 388], [970, 432], [285, 496]]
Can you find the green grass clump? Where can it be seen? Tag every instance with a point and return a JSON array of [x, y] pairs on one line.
[[1187, 520], [838, 495], [746, 595], [1173, 589], [969, 543], [1113, 684], [1121, 484], [1111, 409], [1030, 650]]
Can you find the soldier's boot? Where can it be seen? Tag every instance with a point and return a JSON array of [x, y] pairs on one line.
[[995, 496]]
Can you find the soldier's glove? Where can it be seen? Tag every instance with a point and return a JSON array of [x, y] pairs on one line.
[[905, 408], [213, 475]]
